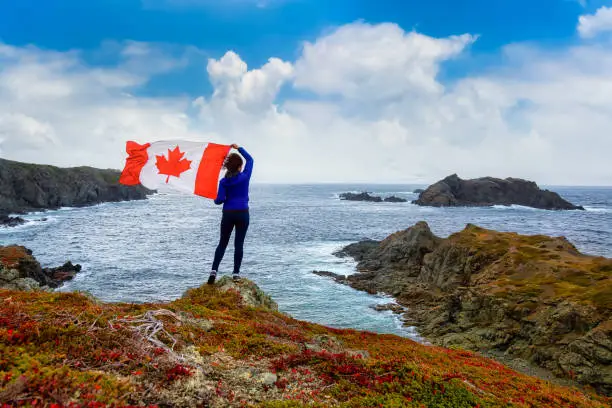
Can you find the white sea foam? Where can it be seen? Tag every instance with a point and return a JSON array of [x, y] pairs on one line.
[[515, 207], [598, 209], [29, 224]]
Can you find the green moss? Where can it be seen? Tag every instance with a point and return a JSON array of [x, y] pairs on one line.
[[601, 297]]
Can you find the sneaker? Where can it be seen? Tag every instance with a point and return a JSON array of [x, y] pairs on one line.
[[212, 277], [236, 277]]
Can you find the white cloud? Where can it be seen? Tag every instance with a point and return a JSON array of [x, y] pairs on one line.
[[375, 61], [251, 91], [55, 109], [375, 110], [590, 25]]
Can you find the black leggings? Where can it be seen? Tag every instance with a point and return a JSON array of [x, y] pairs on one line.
[[231, 219]]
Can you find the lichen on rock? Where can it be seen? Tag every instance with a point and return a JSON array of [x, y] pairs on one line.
[[250, 293]]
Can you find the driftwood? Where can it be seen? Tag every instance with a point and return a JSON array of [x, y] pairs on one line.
[[149, 327]]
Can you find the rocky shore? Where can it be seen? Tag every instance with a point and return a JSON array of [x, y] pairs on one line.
[[19, 270], [28, 187], [534, 298], [488, 191], [226, 345]]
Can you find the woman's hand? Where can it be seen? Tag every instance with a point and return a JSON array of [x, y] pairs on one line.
[[235, 146]]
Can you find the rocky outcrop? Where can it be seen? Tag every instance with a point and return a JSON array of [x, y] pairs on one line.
[[357, 250], [487, 191], [6, 221], [365, 196], [361, 197], [418, 191], [29, 187], [394, 199], [535, 298], [250, 293], [19, 270]]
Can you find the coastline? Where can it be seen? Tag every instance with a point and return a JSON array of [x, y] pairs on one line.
[[472, 308]]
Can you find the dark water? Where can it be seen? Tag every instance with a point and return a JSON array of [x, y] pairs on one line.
[[156, 249]]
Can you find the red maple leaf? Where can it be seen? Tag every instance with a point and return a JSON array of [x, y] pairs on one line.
[[174, 165]]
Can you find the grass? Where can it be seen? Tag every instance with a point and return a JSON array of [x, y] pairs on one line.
[[539, 267]]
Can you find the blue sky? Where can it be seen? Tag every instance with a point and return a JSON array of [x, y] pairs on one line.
[[256, 30], [345, 90]]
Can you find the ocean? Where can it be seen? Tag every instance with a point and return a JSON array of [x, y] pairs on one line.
[[153, 250]]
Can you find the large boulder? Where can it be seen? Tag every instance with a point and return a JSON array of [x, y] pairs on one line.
[[487, 191], [248, 290], [403, 250], [29, 187]]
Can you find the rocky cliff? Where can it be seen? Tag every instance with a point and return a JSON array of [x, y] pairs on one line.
[[535, 298], [227, 346], [487, 191], [29, 187]]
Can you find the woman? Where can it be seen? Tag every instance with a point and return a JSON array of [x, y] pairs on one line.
[[234, 195]]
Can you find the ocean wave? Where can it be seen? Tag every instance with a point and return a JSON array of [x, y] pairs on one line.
[[29, 224], [525, 208], [395, 192], [598, 209], [516, 207]]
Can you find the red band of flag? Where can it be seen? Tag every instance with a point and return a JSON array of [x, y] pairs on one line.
[[137, 158], [207, 179]]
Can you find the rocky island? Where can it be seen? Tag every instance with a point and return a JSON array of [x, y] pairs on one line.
[[532, 298], [227, 345], [488, 191], [28, 187], [365, 196]]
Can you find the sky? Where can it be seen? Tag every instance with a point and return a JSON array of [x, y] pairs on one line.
[[369, 91]]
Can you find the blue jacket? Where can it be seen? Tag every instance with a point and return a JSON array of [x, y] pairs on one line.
[[234, 191]]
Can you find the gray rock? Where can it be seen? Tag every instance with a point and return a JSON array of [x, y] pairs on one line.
[[6, 221], [26, 266], [251, 294], [394, 199], [360, 197], [360, 354], [487, 191], [8, 275], [402, 250], [393, 307], [358, 250], [267, 378], [26, 284], [334, 276]]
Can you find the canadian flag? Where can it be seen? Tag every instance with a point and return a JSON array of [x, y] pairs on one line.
[[175, 166]]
